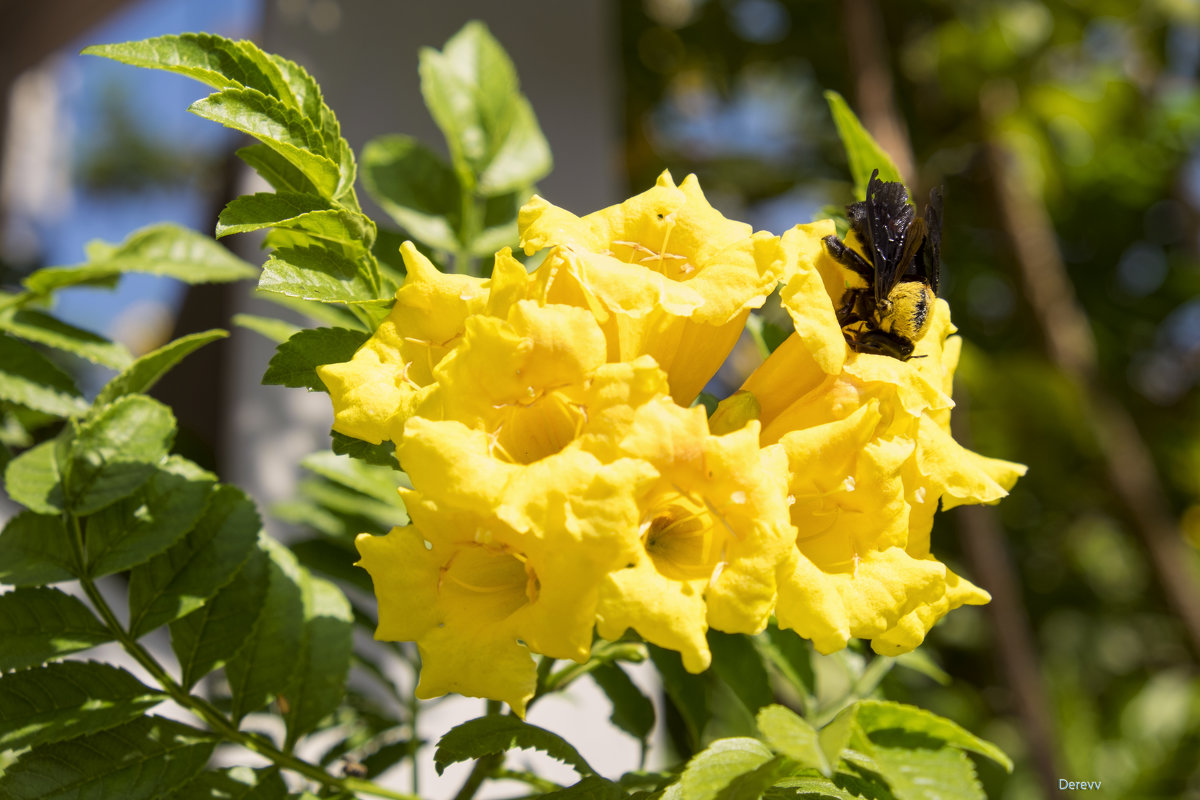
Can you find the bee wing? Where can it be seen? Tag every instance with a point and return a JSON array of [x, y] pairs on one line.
[[889, 217], [931, 251]]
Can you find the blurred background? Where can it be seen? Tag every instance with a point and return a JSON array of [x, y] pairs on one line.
[[1065, 134]]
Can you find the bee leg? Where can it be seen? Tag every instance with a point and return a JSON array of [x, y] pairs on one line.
[[842, 253]]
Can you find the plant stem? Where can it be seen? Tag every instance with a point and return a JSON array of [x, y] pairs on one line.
[[482, 770]]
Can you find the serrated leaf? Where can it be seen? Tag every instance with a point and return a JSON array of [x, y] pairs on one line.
[[715, 767], [415, 187], [163, 249], [182, 579], [380, 455], [142, 759], [235, 783], [876, 716], [736, 662], [36, 549], [212, 634], [296, 360], [264, 667], [279, 127], [114, 452], [751, 785], [687, 691], [498, 734], [789, 734], [276, 170], [137, 528], [313, 273], [73, 698], [141, 375], [914, 772], [862, 151], [40, 624], [632, 711], [32, 479], [324, 660], [36, 326], [276, 330], [30, 379], [592, 787], [303, 212]]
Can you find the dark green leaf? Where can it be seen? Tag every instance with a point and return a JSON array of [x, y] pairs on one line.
[[876, 716], [715, 767], [30, 379], [413, 185], [140, 760], [162, 249], [791, 656], [862, 151], [36, 326], [32, 479], [381, 455], [264, 667], [139, 527], [687, 691], [212, 634], [235, 783], [789, 734], [36, 549], [182, 579], [498, 734], [324, 660], [336, 561], [114, 452], [141, 375], [592, 787], [632, 711], [738, 664], [296, 360], [73, 698], [39, 624], [313, 273]]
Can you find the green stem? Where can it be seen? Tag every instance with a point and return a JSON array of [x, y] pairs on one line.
[[482, 770], [536, 781], [469, 226], [212, 716]]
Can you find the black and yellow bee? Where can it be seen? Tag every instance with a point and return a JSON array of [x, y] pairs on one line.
[[891, 312]]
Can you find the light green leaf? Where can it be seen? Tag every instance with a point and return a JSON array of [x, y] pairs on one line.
[[789, 734], [334, 316], [319, 685], [385, 514], [182, 579], [139, 527], [277, 126], [523, 157], [30, 379], [73, 698], [35, 326], [114, 452], [276, 330], [142, 374], [276, 170], [632, 711], [32, 479], [40, 624], [162, 249], [311, 214], [264, 667], [212, 634], [862, 151], [235, 783], [877, 716], [313, 273], [498, 734], [376, 482], [715, 767], [36, 549], [296, 360], [415, 187], [914, 772], [140, 760]]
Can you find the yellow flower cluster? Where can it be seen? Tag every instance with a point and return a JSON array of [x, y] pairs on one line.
[[560, 488]]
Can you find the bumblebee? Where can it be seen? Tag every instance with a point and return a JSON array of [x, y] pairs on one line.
[[891, 312]]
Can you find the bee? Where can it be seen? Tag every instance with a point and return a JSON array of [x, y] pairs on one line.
[[891, 312]]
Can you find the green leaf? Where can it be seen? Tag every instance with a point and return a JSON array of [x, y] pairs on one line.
[[279, 127], [182, 579], [751, 785], [139, 527], [276, 330], [32, 479], [632, 711], [715, 767], [39, 624], [309, 213], [736, 662], [523, 157], [141, 375], [498, 734], [264, 667], [915, 772], [359, 508], [140, 760], [335, 561], [835, 736], [373, 481], [319, 685], [877, 716], [163, 249], [592, 787], [330, 315], [73, 698], [313, 273], [415, 187], [276, 170], [114, 452], [789, 734], [30, 379], [235, 783], [296, 360], [35, 326], [380, 455], [862, 151], [36, 549], [687, 691], [212, 634], [791, 656]]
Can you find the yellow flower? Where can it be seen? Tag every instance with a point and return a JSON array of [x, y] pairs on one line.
[[713, 528], [664, 273]]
